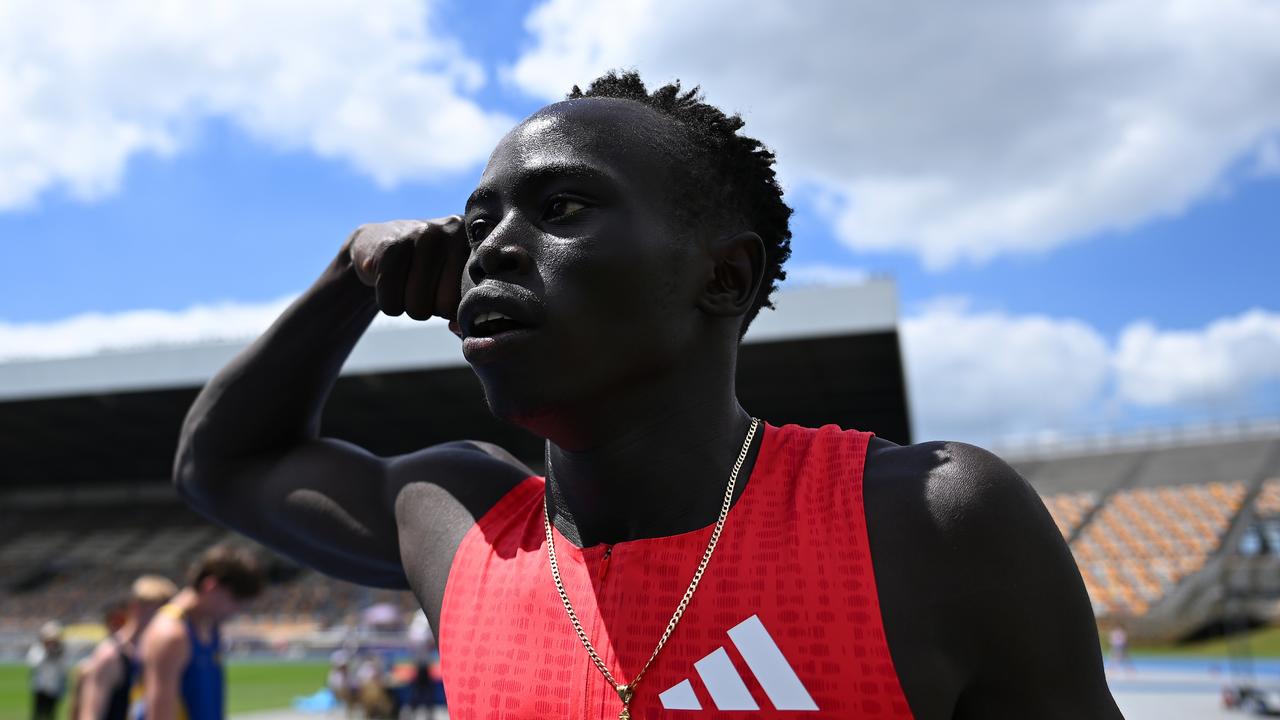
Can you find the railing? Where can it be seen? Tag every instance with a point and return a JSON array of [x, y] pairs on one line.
[[1050, 446]]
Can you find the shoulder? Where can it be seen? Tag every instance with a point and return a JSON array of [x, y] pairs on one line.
[[956, 521], [956, 488], [962, 544], [463, 479], [463, 455], [165, 639], [103, 663], [439, 495]]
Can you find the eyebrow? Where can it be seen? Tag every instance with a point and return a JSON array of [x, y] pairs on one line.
[[541, 174]]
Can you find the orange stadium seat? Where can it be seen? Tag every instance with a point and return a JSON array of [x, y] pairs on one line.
[[1143, 541]]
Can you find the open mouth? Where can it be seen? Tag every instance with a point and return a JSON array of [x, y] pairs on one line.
[[492, 323]]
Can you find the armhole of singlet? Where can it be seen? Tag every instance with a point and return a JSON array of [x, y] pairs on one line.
[[523, 493], [859, 496]]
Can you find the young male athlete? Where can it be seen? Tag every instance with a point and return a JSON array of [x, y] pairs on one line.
[[182, 674], [612, 255], [107, 675]]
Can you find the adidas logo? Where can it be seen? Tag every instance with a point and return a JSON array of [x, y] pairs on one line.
[[725, 685]]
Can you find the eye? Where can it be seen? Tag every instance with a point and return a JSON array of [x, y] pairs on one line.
[[478, 230], [563, 207]]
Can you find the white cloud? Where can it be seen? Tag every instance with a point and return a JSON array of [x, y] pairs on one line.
[[1219, 364], [980, 375], [85, 86], [92, 333], [958, 131], [985, 375]]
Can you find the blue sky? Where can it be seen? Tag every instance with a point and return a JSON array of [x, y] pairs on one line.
[[1114, 230]]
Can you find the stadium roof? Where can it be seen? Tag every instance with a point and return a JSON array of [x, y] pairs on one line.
[[828, 354], [1247, 454]]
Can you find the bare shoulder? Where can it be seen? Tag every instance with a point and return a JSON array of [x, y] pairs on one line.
[[975, 582], [956, 488], [440, 493], [164, 635], [461, 480], [103, 662], [963, 516], [940, 517]]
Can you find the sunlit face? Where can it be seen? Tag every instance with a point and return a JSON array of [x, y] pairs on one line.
[[579, 284]]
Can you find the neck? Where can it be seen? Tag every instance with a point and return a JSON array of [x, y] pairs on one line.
[[664, 472], [189, 601]]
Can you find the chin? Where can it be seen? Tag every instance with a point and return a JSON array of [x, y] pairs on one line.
[[553, 404], [537, 408], [520, 409]]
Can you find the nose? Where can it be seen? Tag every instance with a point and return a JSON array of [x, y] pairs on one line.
[[498, 255]]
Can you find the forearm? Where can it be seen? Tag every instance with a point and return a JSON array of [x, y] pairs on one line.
[[270, 397]]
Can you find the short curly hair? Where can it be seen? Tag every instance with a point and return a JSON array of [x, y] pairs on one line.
[[738, 166]]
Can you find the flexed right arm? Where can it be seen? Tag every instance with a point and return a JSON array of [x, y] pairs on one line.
[[250, 454]]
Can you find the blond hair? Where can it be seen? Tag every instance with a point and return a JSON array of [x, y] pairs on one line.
[[153, 589]]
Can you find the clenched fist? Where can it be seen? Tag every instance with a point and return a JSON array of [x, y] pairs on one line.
[[414, 266]]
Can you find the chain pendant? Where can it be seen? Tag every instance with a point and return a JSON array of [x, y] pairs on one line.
[[624, 694]]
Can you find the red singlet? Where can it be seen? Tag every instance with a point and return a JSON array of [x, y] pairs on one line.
[[785, 624]]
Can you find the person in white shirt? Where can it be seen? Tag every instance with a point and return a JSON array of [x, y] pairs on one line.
[[49, 667]]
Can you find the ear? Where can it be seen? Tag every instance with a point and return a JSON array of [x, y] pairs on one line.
[[737, 272]]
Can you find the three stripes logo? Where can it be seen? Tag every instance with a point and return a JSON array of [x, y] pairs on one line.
[[725, 685]]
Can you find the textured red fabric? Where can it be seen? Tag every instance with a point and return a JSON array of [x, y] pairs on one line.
[[794, 554]]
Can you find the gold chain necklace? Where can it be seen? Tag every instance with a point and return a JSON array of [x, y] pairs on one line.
[[625, 692]]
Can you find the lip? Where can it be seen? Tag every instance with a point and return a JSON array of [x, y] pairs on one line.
[[479, 350], [516, 302]]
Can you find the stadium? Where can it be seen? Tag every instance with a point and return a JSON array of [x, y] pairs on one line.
[[1045, 229], [1177, 534]]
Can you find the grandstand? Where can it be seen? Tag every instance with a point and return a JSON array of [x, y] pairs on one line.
[[1161, 530]]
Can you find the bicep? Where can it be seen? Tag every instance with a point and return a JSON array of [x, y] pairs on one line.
[[333, 506], [322, 503]]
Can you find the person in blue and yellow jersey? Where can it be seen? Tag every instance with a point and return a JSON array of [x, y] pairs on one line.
[[182, 674]]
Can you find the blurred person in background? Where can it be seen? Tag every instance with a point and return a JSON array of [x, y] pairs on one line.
[[107, 676], [420, 691], [1119, 645], [181, 650], [371, 678], [341, 680], [115, 612], [49, 668]]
